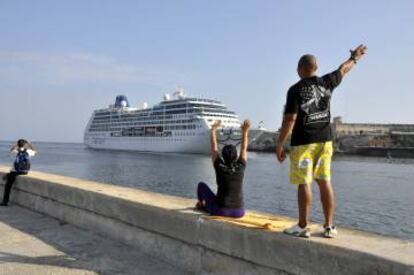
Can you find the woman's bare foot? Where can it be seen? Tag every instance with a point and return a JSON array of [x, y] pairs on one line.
[[267, 226], [199, 206]]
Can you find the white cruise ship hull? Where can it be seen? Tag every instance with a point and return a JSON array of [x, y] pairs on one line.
[[185, 144]]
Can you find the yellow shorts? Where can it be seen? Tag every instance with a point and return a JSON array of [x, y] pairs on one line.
[[310, 161]]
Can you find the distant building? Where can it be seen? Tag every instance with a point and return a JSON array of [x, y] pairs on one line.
[[346, 129], [372, 139], [348, 136]]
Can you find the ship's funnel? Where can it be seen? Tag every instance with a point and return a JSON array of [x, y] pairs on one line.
[[121, 101], [166, 97]]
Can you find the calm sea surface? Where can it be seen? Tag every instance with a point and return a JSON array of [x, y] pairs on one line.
[[372, 194]]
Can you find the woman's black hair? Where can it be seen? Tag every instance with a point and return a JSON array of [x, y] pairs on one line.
[[229, 153], [21, 143]]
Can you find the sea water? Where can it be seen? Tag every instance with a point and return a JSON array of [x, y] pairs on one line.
[[372, 194]]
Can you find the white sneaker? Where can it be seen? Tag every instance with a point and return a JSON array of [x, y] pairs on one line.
[[298, 231], [330, 232]]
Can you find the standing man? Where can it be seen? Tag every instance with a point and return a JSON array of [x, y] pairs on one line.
[[23, 150], [307, 116]]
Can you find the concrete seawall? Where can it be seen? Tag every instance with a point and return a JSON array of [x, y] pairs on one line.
[[167, 228]]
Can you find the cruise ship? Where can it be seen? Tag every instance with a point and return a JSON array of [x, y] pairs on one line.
[[178, 124]]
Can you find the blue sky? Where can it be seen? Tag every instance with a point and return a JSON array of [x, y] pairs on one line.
[[59, 60]]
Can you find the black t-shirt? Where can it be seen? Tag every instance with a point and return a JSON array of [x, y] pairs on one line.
[[230, 183], [310, 100]]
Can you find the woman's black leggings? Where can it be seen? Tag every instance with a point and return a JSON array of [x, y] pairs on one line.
[[10, 179]]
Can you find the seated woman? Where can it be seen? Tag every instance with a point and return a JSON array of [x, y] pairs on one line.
[[229, 176]]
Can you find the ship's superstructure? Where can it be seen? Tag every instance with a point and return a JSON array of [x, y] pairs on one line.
[[180, 124]]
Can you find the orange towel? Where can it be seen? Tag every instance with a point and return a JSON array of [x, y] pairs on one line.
[[257, 220]]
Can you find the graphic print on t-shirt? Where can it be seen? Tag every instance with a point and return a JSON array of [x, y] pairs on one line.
[[315, 103], [310, 100]]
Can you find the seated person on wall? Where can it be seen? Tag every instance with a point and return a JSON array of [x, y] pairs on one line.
[[229, 176], [23, 150]]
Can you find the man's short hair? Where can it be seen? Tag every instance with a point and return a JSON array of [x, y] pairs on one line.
[[308, 63]]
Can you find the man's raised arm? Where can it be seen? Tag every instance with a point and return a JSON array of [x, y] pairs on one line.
[[355, 56]]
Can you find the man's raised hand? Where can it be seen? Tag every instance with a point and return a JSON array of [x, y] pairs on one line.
[[356, 54], [359, 51]]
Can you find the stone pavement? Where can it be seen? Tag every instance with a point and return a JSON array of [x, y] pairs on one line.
[[31, 243]]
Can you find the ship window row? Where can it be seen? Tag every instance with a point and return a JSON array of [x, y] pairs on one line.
[[195, 105], [131, 118], [101, 117], [207, 110], [171, 127], [177, 106], [198, 110], [145, 122], [157, 113], [134, 118], [192, 105], [204, 100], [160, 128], [219, 115], [181, 127], [171, 112], [123, 126], [165, 134], [176, 112], [184, 134], [103, 114], [138, 113], [171, 101], [148, 120], [187, 100], [159, 120], [201, 109], [131, 115], [189, 107]]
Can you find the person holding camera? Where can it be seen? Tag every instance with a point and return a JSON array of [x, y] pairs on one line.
[[23, 150]]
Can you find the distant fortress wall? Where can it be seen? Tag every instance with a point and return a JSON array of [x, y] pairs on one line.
[[167, 228], [381, 140], [342, 129], [370, 139]]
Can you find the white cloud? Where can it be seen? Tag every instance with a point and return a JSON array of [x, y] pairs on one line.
[[77, 68]]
